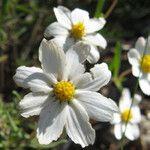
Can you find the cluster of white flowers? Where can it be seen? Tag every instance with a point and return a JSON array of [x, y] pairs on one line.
[[64, 95], [127, 121]]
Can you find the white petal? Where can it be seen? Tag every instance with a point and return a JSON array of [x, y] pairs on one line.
[[96, 40], [76, 55], [132, 131], [144, 84], [32, 104], [51, 122], [140, 45], [94, 55], [134, 57], [69, 41], [22, 73], [125, 100], [55, 29], [126, 96], [78, 127], [94, 25], [118, 131], [76, 72], [65, 42], [79, 15], [137, 99], [98, 107], [81, 49], [65, 10], [52, 58], [100, 77], [81, 79], [116, 118], [136, 115], [33, 78], [136, 71], [62, 17]]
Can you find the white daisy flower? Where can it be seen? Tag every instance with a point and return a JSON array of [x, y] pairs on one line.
[[77, 26], [64, 95], [130, 117], [141, 68]]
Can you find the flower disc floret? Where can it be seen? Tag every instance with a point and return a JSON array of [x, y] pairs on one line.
[[145, 64], [126, 115], [64, 90], [78, 30]]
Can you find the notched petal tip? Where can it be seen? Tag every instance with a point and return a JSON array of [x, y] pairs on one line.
[[133, 57], [62, 15], [99, 70], [82, 49], [25, 116], [115, 108], [102, 20], [44, 141], [140, 40]]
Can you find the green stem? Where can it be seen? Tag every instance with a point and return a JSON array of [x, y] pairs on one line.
[[99, 8], [110, 9]]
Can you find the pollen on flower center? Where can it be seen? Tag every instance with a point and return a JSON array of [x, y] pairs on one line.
[[126, 115], [64, 90], [145, 64], [78, 30]]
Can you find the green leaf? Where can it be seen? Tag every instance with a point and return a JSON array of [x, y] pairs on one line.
[[99, 8], [116, 61], [24, 8], [36, 145], [20, 32], [18, 96], [3, 34], [4, 6], [12, 122], [115, 66], [118, 83]]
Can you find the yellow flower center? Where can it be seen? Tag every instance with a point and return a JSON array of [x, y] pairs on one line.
[[64, 90], [145, 64], [126, 115], [78, 30]]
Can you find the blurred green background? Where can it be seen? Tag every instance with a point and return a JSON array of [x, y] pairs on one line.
[[22, 23]]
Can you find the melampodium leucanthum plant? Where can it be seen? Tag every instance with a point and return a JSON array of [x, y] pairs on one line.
[[63, 94]]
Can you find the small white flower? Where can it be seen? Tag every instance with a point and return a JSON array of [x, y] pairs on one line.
[[77, 26], [64, 95], [130, 117], [141, 66]]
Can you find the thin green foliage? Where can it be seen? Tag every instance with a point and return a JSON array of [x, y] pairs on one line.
[[34, 144], [99, 8], [115, 65], [16, 132], [116, 61]]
